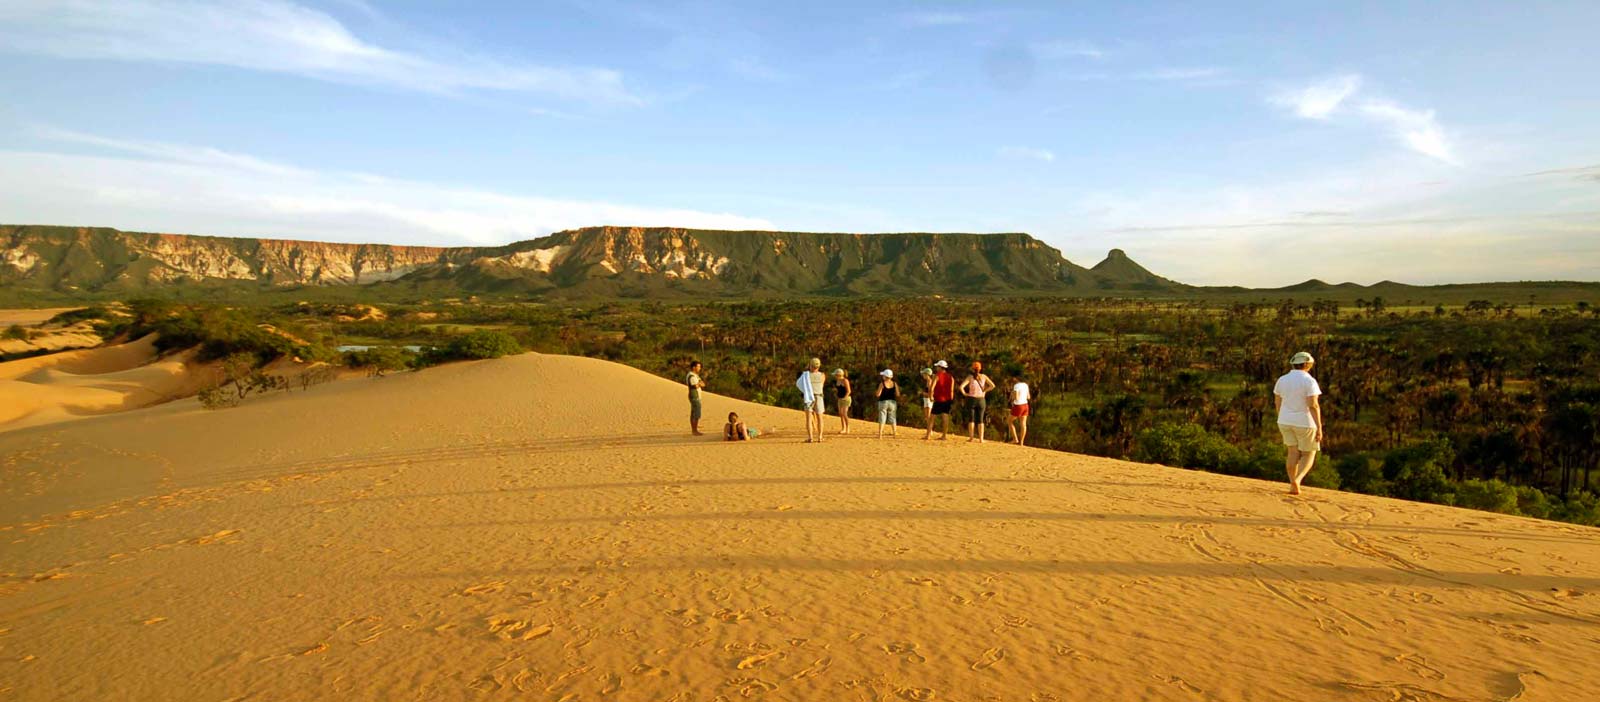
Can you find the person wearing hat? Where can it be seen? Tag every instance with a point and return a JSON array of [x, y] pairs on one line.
[[925, 393], [841, 393], [1299, 418], [888, 402], [943, 394], [810, 383], [975, 388]]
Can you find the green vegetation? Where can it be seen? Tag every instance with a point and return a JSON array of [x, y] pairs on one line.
[[16, 332]]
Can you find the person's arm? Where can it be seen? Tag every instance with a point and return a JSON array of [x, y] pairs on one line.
[[1315, 405], [744, 432], [1277, 402], [988, 385]]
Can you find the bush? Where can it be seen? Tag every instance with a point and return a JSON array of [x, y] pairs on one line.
[[381, 359], [481, 344], [1533, 502], [1487, 495], [1190, 446], [1417, 472], [1359, 472], [16, 332], [1579, 508], [241, 377]]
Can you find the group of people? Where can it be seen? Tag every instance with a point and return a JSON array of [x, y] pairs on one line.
[[938, 391], [1295, 399]]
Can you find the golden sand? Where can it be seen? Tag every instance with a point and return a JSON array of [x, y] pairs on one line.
[[541, 527]]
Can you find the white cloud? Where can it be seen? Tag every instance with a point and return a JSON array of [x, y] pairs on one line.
[[172, 187], [1417, 128], [1319, 100], [275, 36], [1024, 152]]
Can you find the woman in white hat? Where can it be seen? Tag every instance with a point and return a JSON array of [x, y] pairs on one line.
[[1299, 418], [888, 403]]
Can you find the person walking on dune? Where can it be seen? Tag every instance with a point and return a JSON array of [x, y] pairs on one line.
[[888, 403], [1299, 418], [943, 393], [975, 388], [841, 393], [695, 386], [1017, 422], [811, 383]]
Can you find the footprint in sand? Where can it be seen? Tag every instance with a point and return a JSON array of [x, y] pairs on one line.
[[1419, 666], [1566, 593], [817, 667], [989, 659], [906, 649], [1180, 683], [757, 660], [512, 629]]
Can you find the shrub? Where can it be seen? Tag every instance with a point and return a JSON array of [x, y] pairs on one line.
[[1579, 508], [1417, 472], [481, 344], [1190, 446], [1533, 502], [1487, 495], [1359, 472], [16, 332], [381, 359], [242, 376]]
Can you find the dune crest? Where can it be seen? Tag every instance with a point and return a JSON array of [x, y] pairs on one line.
[[542, 527]]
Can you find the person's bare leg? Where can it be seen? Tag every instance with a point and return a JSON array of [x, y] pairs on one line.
[[1292, 466], [1022, 436], [980, 431], [1011, 429], [809, 437], [946, 433], [1308, 460]]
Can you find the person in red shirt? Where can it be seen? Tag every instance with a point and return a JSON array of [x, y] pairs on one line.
[[944, 396]]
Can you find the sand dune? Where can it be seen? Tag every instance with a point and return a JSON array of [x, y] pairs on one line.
[[74, 384], [540, 527]]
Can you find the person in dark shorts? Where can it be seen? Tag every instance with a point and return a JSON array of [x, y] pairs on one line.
[[975, 389], [841, 395], [695, 385], [944, 397]]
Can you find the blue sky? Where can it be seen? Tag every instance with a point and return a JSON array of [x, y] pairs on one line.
[[1256, 144]]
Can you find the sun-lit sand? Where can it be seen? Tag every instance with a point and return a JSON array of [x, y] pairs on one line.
[[75, 384], [541, 527]]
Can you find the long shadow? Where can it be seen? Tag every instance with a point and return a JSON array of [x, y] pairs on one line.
[[1153, 569], [997, 515]]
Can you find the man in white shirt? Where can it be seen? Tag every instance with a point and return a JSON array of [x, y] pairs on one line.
[[695, 386], [1299, 418]]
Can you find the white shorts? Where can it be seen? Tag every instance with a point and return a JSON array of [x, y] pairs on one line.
[[1303, 438]]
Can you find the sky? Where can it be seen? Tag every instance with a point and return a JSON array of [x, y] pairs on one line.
[[1255, 144]]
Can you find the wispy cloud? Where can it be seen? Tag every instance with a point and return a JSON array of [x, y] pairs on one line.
[[1320, 99], [177, 187], [937, 19], [1418, 129], [1024, 152], [280, 37], [1058, 49]]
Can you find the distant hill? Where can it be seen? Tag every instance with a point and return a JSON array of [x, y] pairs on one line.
[[593, 261]]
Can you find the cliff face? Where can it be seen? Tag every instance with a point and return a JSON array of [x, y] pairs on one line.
[[594, 260]]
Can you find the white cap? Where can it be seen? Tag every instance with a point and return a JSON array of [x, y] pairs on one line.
[[1301, 358], [887, 373], [941, 364]]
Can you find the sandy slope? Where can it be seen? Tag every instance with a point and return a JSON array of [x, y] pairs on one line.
[[75, 384], [540, 528]]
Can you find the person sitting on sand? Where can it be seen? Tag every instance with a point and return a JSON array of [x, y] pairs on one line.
[[943, 394], [735, 430], [810, 383], [1017, 421], [695, 385], [1299, 418], [975, 388], [841, 393], [888, 403]]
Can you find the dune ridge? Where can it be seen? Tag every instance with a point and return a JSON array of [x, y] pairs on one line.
[[541, 527]]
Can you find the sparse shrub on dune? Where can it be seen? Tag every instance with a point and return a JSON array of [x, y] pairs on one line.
[[481, 344], [379, 360], [242, 376], [16, 332]]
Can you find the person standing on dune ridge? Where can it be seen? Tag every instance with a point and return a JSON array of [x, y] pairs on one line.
[[1299, 418], [1021, 396], [695, 386], [888, 403], [975, 388], [944, 395], [811, 383], [842, 401]]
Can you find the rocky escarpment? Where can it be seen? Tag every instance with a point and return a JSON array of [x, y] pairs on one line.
[[603, 261]]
